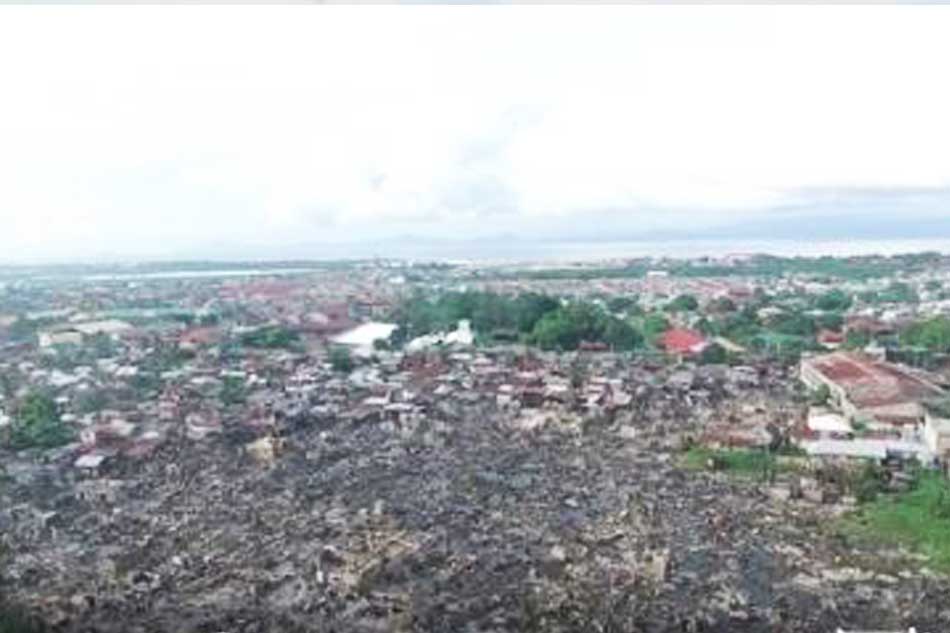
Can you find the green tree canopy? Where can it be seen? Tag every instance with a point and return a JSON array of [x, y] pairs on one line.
[[625, 304], [683, 303], [654, 325], [932, 334], [233, 390], [830, 321], [271, 336], [489, 313], [340, 359], [721, 304], [794, 324], [714, 354], [898, 292], [567, 327], [37, 424], [834, 300]]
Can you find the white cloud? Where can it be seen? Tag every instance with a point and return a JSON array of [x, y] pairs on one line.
[[155, 130]]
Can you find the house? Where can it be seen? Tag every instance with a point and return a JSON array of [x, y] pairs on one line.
[[73, 334], [66, 336], [462, 336], [830, 340], [330, 319], [196, 337], [109, 327], [826, 423], [869, 326], [683, 342], [937, 427], [362, 337]]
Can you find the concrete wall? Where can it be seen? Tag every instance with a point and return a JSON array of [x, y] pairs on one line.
[[937, 434], [839, 397]]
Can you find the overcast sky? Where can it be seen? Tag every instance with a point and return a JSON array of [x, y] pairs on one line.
[[235, 130]]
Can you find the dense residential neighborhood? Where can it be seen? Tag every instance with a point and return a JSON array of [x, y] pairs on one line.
[[394, 445]]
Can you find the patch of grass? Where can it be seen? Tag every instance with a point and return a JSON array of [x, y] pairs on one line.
[[918, 519], [739, 461], [16, 620], [790, 450]]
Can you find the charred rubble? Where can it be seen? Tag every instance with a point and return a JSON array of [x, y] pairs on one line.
[[465, 492]]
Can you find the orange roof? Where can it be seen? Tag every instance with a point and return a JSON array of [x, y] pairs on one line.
[[683, 341]]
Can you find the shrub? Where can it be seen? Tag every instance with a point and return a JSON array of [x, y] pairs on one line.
[[37, 424], [340, 359]]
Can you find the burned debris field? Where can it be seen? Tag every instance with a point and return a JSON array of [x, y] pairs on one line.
[[240, 455], [460, 521]]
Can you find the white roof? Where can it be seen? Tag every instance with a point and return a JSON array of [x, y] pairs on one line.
[[90, 460], [365, 334], [109, 326], [828, 422], [864, 448], [462, 336]]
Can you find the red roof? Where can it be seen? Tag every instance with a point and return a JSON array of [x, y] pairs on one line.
[[682, 341], [200, 336], [870, 383], [827, 336]]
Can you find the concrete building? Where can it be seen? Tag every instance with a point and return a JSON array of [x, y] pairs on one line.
[[109, 327], [876, 395], [49, 338], [937, 428], [362, 337]]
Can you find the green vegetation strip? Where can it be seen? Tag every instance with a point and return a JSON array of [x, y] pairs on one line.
[[736, 461], [919, 519]]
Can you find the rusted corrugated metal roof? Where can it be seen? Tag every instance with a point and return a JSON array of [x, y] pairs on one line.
[[872, 383]]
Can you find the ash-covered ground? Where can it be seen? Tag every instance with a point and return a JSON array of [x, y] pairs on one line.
[[457, 524]]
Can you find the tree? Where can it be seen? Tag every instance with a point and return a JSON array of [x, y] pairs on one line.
[[91, 401], [820, 395], [567, 327], [654, 326], [898, 292], [232, 390], [621, 304], [23, 329], [830, 321], [621, 336], [856, 339], [559, 330], [794, 324], [531, 307], [683, 303], [721, 305], [37, 424], [271, 337], [932, 334], [714, 354], [834, 300], [340, 359], [103, 346]]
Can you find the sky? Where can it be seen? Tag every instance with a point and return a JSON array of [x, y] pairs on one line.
[[269, 131]]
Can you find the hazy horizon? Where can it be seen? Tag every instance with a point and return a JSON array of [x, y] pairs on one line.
[[478, 125], [526, 252]]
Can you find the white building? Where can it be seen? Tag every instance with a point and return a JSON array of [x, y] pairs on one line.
[[462, 336], [50, 338], [937, 431], [362, 337], [827, 423]]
